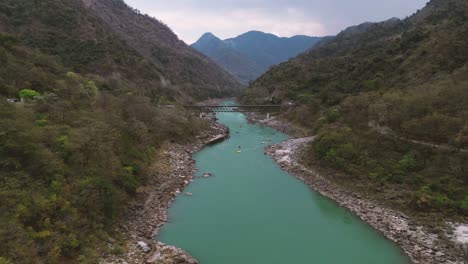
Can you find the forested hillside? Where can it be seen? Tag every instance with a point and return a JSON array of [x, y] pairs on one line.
[[102, 37], [389, 102], [185, 69], [77, 148]]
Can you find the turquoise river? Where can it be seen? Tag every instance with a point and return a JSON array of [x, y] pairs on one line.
[[252, 212]]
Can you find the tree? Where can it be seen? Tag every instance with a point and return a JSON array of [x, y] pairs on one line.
[[28, 94], [464, 204]]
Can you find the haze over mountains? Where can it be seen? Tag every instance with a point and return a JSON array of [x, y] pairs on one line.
[[251, 54]]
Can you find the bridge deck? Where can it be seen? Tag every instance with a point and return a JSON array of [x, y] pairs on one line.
[[237, 108]]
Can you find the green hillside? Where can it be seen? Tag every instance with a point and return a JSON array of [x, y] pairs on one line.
[[101, 38], [389, 102], [75, 151]]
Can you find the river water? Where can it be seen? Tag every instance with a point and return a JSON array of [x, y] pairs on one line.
[[252, 212]]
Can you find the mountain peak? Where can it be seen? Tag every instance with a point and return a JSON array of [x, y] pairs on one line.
[[249, 55], [257, 34], [209, 41], [208, 37]]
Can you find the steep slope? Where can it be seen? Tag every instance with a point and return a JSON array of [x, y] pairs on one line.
[[186, 68], [240, 66], [378, 95], [390, 54], [76, 150], [109, 38], [251, 54]]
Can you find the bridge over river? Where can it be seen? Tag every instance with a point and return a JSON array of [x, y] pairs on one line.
[[251, 211], [235, 108], [267, 109]]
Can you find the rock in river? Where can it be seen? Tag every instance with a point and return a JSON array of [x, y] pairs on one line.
[[165, 254]]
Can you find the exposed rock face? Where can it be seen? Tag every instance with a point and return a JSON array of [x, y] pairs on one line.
[[170, 255], [216, 139], [461, 234], [144, 246]]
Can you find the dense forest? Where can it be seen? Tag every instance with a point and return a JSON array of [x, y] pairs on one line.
[[389, 103], [78, 145]]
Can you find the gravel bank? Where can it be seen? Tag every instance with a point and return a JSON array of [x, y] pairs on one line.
[[418, 242], [170, 174]]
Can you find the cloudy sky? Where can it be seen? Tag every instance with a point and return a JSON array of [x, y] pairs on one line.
[[228, 18]]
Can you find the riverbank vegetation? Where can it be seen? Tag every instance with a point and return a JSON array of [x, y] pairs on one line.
[[70, 162], [389, 103], [74, 152]]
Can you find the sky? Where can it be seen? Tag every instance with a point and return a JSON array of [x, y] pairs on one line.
[[190, 19]]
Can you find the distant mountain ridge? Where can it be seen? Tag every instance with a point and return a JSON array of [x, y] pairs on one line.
[[239, 65], [251, 54]]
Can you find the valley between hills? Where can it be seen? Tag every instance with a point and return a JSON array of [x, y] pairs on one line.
[[100, 162]]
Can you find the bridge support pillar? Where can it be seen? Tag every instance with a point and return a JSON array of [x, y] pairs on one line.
[[268, 115]]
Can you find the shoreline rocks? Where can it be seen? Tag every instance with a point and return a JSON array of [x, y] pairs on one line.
[[276, 123], [461, 233], [172, 171], [421, 245], [165, 254], [175, 169]]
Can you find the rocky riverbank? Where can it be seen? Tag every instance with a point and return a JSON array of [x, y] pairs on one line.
[[170, 174], [279, 124], [419, 243]]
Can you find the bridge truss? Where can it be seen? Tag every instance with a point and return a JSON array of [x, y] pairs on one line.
[[237, 108]]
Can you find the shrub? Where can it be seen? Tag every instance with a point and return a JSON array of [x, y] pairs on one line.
[[407, 163], [5, 261], [333, 114], [28, 94], [464, 205]]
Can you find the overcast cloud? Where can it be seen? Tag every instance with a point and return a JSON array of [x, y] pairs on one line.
[[189, 19]]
